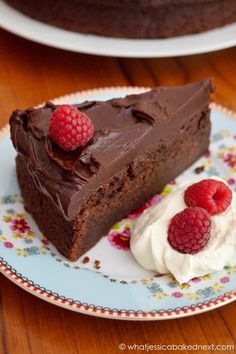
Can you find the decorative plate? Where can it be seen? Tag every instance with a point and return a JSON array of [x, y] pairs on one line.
[[21, 25], [107, 281]]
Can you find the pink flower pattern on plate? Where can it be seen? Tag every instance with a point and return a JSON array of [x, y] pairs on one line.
[[45, 241], [120, 240], [224, 280], [20, 225], [8, 244], [177, 294], [231, 181], [230, 159], [196, 280]]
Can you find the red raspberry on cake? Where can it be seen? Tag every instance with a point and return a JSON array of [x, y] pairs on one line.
[[70, 128], [189, 231], [210, 194]]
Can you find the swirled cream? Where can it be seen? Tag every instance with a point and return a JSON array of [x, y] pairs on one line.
[[152, 250]]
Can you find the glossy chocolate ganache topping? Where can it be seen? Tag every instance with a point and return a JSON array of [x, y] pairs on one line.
[[124, 129]]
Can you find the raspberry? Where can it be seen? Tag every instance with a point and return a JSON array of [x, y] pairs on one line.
[[189, 230], [210, 194], [70, 128]]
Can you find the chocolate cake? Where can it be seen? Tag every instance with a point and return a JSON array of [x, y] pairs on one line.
[[140, 143], [131, 18]]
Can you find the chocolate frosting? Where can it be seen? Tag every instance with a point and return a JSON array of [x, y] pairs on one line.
[[125, 128]]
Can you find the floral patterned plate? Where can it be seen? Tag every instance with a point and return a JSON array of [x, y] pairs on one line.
[[107, 281]]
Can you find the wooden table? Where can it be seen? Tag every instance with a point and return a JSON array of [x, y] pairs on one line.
[[30, 74]]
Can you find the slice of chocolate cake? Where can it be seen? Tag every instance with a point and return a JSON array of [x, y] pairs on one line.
[[140, 143]]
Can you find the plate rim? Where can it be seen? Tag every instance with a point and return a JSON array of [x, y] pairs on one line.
[[99, 311], [71, 44], [105, 312]]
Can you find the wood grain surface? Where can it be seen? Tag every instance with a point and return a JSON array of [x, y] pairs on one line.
[[30, 74]]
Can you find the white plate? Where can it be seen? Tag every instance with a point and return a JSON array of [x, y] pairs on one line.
[[23, 26]]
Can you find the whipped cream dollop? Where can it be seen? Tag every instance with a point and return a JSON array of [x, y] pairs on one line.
[[152, 250]]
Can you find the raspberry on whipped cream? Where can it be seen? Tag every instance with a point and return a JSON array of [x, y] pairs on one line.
[[213, 195], [150, 246], [189, 231]]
